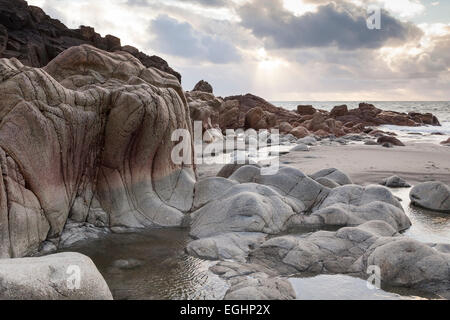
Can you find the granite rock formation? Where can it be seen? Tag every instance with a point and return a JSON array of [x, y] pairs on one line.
[[88, 138], [433, 195]]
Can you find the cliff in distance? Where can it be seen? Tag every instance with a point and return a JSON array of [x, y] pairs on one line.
[[30, 35]]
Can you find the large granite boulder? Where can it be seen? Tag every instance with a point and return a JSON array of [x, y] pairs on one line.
[[395, 182], [300, 132], [91, 127], [306, 110], [253, 282], [63, 276], [333, 174], [433, 195], [391, 140], [259, 119]]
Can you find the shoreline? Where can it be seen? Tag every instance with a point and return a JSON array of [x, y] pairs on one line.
[[365, 164]]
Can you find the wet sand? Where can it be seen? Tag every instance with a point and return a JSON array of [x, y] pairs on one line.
[[371, 164]]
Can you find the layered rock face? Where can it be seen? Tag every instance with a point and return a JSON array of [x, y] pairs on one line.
[[88, 137], [31, 36]]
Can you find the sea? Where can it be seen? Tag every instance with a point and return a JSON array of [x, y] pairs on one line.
[[441, 109]]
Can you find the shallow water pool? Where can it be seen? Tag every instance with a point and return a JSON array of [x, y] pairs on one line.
[[427, 226], [152, 265]]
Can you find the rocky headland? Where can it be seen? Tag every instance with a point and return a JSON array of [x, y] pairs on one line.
[[28, 34], [85, 150], [252, 112]]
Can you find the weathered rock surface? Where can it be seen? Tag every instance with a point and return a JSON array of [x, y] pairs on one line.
[[391, 140], [333, 174], [234, 228], [403, 262], [77, 232], [228, 169], [204, 107], [369, 115], [300, 148], [259, 119], [203, 86], [431, 195], [300, 132], [306, 110], [250, 111], [229, 246], [88, 134], [249, 202], [53, 277], [30, 35], [253, 282], [327, 182], [395, 182]]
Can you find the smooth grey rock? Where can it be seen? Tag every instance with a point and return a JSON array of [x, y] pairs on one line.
[[395, 182], [358, 195], [341, 214], [52, 278], [300, 148], [230, 246], [209, 189], [409, 263], [246, 173], [253, 282], [309, 141], [247, 207], [322, 251], [228, 169], [327, 183], [431, 195], [403, 261], [333, 174]]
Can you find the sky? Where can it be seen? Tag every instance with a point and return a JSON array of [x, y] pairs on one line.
[[285, 50]]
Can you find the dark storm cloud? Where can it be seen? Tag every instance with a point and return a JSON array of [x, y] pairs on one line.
[[181, 39], [333, 24]]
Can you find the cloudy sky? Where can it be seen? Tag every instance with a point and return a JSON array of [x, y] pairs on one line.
[[285, 49]]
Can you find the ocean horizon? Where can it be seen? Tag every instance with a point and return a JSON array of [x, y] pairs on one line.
[[441, 109]]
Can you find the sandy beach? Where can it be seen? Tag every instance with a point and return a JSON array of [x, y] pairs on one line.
[[416, 162], [370, 164]]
